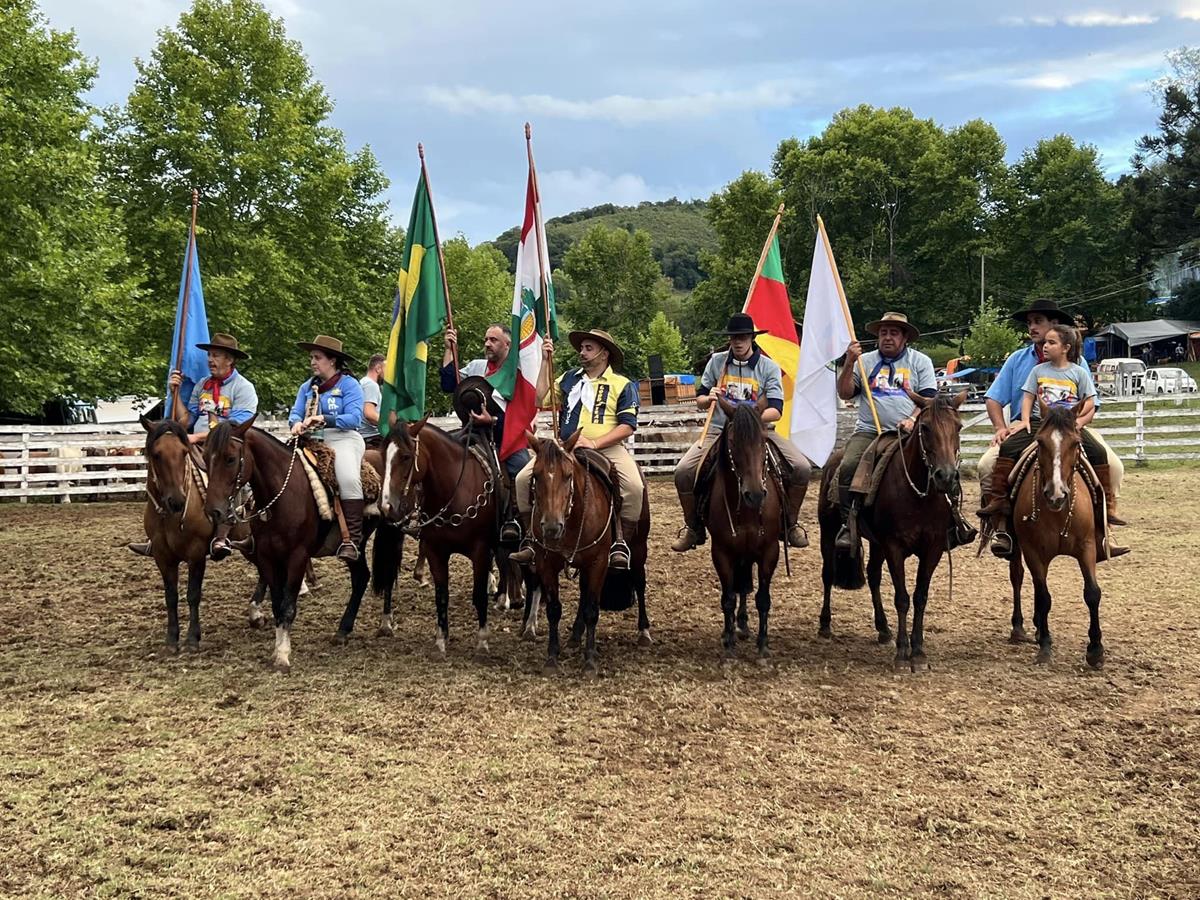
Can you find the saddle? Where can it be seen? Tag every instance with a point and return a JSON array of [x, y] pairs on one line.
[[317, 458], [1028, 460], [598, 464], [707, 471], [869, 474]]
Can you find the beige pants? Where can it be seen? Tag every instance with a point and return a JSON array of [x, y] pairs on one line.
[[1116, 468], [627, 471], [686, 468]]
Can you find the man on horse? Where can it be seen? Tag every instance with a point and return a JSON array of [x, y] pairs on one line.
[[741, 374], [604, 404], [226, 394], [497, 341], [1006, 391]]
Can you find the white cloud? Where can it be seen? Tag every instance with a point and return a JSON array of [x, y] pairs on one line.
[[620, 108], [1057, 75], [1089, 19], [564, 190]]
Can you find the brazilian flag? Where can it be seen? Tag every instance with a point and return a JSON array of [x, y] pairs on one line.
[[418, 313]]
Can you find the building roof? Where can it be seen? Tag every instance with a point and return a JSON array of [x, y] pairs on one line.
[[1138, 333]]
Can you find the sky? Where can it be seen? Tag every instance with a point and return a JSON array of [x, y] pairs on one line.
[[635, 101]]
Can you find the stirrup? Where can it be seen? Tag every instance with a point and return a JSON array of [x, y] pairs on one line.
[[797, 536], [522, 557], [510, 532], [688, 539], [618, 556], [347, 552], [843, 541], [1002, 544], [219, 549]]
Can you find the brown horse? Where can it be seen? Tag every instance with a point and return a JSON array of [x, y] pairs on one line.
[[285, 524], [176, 525], [571, 527], [1053, 515], [911, 516], [744, 518]]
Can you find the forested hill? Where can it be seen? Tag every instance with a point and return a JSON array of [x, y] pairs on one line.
[[678, 232]]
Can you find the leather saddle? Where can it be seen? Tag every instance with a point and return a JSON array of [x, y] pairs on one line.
[[871, 468], [320, 457]]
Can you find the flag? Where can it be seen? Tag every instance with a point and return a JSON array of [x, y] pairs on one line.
[[194, 364], [771, 311], [516, 380], [418, 313], [826, 335]]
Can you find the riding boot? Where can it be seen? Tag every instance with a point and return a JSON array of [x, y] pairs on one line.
[[690, 535], [352, 510], [619, 556], [1110, 498], [848, 504], [998, 508], [219, 547], [796, 536], [961, 532], [524, 556], [145, 548]]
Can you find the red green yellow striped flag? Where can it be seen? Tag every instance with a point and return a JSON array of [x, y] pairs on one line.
[[771, 310]]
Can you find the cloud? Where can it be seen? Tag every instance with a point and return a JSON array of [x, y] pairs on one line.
[[620, 108], [564, 190], [1058, 75], [1089, 19]]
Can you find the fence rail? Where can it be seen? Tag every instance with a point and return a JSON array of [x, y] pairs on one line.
[[105, 462]]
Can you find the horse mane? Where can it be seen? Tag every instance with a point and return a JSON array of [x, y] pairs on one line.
[[163, 427], [743, 425], [1059, 418]]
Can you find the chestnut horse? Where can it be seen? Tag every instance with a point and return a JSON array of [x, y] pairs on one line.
[[285, 524], [911, 516], [1053, 515], [175, 522], [571, 527], [744, 518]]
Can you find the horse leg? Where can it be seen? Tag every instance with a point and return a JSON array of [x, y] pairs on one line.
[[360, 577], [644, 639], [895, 563], [578, 625], [170, 577], [589, 609], [439, 571], [482, 570], [256, 615], [743, 619], [925, 569], [762, 599], [549, 588], [292, 575], [828, 564], [883, 631], [1041, 611], [195, 583], [533, 599], [1016, 574], [1091, 596]]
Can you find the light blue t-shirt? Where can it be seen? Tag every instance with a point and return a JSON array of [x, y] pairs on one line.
[[887, 379], [1058, 387], [371, 393]]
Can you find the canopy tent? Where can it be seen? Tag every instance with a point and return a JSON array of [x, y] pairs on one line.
[[1121, 337]]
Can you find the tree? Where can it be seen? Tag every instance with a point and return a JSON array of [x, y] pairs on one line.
[[293, 234], [991, 338], [664, 339], [65, 282]]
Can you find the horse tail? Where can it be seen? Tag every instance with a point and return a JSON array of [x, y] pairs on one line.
[[848, 571], [617, 593], [386, 557]]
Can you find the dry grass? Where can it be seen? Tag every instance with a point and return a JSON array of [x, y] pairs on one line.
[[376, 769]]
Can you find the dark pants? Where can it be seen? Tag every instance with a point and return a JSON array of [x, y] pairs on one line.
[[516, 462], [1014, 445], [374, 442], [855, 448]]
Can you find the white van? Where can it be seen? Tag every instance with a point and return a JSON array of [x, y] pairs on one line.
[[1120, 376], [1167, 380]]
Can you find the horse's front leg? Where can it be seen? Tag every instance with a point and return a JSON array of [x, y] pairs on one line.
[[533, 599], [742, 619], [895, 563], [1041, 610], [1091, 596], [925, 569], [255, 614], [883, 631], [283, 601], [481, 568], [762, 599], [170, 578], [195, 585], [1016, 575], [439, 570], [549, 590]]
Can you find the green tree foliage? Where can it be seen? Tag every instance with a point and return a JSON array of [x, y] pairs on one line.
[[615, 284], [992, 337], [64, 277], [293, 236], [664, 339]]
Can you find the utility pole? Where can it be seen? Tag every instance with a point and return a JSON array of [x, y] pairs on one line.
[[981, 268]]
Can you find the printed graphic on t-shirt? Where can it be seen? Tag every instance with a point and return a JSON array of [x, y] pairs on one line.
[[601, 405], [741, 389], [889, 382], [219, 408], [1057, 391]]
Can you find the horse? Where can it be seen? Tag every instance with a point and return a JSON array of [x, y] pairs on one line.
[[744, 520], [1053, 515], [435, 486], [176, 525], [285, 524], [571, 526], [905, 520]]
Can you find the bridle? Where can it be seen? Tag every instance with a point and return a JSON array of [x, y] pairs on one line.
[[239, 484], [413, 523], [924, 455], [190, 469], [579, 545], [1071, 492], [733, 469]]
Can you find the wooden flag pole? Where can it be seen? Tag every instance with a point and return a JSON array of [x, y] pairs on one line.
[[538, 237], [837, 278], [187, 290], [441, 258]]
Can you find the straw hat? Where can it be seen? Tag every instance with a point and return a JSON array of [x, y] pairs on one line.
[[226, 343], [330, 346], [616, 356], [894, 318]]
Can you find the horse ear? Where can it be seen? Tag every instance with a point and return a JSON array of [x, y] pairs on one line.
[[392, 420], [535, 443], [570, 443], [960, 399], [917, 399], [726, 407], [148, 424], [414, 428], [240, 430], [1043, 408]]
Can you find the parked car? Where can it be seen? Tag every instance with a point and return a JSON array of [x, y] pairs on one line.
[[1167, 380], [1120, 376]]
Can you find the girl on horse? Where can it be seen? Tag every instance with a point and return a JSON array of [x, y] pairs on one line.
[[1060, 381], [329, 408]]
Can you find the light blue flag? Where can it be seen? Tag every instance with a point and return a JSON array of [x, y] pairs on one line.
[[195, 362]]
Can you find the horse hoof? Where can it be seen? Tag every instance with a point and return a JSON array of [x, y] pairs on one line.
[[1043, 657], [482, 647], [1018, 635], [573, 643], [884, 636], [193, 646], [919, 664], [529, 635], [743, 634], [173, 647], [385, 631], [282, 666], [763, 660], [257, 622], [341, 638], [1095, 658], [440, 643], [551, 667], [590, 671], [728, 660], [644, 639], [825, 632]]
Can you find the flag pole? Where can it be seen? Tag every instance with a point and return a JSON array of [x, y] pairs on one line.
[[441, 258], [539, 236], [187, 290], [837, 279]]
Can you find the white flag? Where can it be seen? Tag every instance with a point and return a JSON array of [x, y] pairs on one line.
[[826, 335]]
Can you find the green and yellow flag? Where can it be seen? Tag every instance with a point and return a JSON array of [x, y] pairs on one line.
[[418, 313]]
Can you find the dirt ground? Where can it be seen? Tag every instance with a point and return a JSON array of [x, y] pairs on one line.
[[377, 769]]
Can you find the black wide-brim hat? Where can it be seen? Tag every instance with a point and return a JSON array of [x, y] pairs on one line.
[[330, 346], [473, 395], [1047, 308], [741, 323]]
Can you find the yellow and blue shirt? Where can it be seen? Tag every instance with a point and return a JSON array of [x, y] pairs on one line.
[[597, 405]]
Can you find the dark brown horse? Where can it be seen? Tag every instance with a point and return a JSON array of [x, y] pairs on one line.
[[571, 527], [744, 519], [285, 523], [911, 516], [1053, 515], [177, 526]]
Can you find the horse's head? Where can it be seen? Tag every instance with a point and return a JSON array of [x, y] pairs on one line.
[[401, 469], [554, 474], [1058, 451], [745, 448], [938, 427], [166, 456], [230, 467]]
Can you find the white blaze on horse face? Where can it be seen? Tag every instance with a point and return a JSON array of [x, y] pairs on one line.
[[1060, 489], [385, 499]]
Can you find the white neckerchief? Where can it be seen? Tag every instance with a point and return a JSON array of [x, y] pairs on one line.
[[583, 391]]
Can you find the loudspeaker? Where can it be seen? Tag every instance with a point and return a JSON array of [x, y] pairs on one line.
[[658, 390]]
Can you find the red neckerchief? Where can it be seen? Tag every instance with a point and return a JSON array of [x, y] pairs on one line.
[[1039, 353], [330, 384], [214, 384]]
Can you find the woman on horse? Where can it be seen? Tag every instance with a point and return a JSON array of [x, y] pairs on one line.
[[329, 408], [1059, 381]]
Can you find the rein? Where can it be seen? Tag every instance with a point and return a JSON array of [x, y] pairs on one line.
[[239, 484], [737, 475], [190, 469], [439, 518], [1071, 492], [579, 545]]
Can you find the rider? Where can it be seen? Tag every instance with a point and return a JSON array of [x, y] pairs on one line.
[[604, 405], [497, 341], [329, 407], [892, 370], [1006, 390], [741, 374], [1059, 381], [226, 394]]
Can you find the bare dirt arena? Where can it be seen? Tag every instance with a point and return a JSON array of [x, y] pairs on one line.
[[378, 769]]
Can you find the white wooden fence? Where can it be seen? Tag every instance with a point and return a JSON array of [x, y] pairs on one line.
[[105, 462]]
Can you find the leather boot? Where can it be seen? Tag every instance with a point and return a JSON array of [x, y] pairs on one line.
[[145, 548], [848, 504], [619, 556], [352, 510], [998, 508], [961, 532], [796, 536], [1110, 498], [690, 534]]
